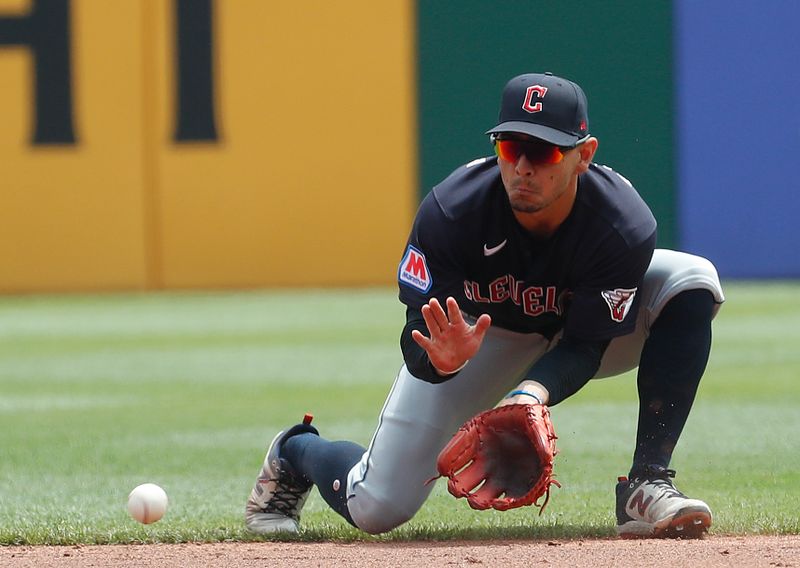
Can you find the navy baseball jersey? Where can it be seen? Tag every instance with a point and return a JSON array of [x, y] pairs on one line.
[[466, 243]]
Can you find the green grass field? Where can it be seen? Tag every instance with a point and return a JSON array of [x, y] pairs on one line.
[[101, 393]]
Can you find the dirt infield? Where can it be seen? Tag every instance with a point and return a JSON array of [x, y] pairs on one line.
[[750, 551]]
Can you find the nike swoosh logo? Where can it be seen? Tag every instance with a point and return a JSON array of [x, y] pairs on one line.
[[490, 251]]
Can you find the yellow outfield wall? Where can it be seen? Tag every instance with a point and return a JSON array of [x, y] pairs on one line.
[[308, 178]]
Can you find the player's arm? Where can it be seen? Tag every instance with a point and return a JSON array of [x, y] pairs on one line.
[[591, 324], [560, 373], [416, 359]]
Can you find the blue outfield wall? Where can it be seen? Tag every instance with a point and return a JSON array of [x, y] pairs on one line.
[[737, 133]]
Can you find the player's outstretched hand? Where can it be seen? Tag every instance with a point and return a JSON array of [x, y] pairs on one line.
[[452, 340]]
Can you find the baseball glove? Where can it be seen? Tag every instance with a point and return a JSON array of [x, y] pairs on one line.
[[502, 458]]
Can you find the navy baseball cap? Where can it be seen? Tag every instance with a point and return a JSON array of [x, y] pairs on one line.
[[546, 107]]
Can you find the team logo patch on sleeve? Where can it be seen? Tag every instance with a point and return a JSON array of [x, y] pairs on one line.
[[414, 270], [619, 302]]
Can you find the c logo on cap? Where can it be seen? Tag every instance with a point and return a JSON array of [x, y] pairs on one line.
[[537, 90]]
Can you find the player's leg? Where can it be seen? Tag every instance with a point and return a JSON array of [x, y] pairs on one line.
[[380, 488], [391, 481], [680, 296], [673, 361]]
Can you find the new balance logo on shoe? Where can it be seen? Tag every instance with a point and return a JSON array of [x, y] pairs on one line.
[[640, 503]]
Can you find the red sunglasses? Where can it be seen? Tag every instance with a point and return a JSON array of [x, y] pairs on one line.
[[536, 151]]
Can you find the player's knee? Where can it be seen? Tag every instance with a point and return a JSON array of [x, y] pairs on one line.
[[697, 273], [685, 282], [705, 276], [697, 305], [376, 517]]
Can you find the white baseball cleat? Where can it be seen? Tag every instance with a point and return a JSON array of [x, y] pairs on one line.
[[650, 507], [279, 494]]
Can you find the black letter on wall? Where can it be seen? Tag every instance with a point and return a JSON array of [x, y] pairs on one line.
[[46, 32], [195, 96]]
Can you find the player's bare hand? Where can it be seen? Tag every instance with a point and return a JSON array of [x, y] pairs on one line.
[[452, 340]]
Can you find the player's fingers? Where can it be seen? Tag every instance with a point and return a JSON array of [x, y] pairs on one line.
[[438, 313], [454, 312], [421, 340], [482, 325], [430, 321]]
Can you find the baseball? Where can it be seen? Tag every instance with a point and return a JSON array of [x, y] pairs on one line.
[[147, 503]]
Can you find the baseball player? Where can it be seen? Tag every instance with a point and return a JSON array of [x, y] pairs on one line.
[[526, 274]]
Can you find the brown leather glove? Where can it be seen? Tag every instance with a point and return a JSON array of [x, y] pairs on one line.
[[502, 458]]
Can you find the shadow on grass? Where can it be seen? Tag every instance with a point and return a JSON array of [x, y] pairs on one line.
[[446, 533], [317, 534]]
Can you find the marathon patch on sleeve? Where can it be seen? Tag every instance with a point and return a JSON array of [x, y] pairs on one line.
[[619, 302], [414, 271]]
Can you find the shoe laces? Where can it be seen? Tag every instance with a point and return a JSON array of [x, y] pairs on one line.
[[665, 486], [285, 498], [661, 481]]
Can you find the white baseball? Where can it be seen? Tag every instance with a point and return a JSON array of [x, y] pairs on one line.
[[147, 503]]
